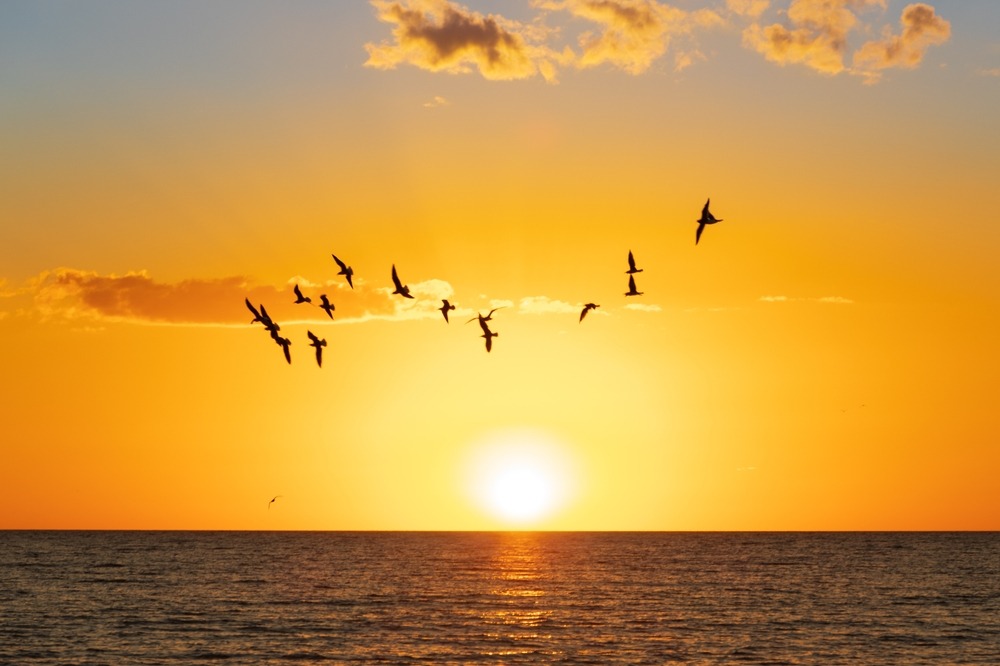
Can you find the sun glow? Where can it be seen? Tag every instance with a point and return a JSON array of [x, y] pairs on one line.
[[520, 477]]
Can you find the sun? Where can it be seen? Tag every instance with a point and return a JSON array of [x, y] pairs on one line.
[[520, 477]]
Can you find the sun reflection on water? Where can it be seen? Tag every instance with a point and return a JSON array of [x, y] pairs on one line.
[[516, 598]]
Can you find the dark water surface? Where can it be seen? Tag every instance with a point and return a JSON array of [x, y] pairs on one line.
[[499, 598]]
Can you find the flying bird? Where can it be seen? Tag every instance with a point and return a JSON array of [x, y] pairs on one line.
[[326, 305], [401, 288], [488, 317], [345, 270], [272, 500], [299, 298], [706, 218], [587, 308], [445, 307], [284, 343], [489, 335], [318, 343], [631, 264], [631, 287], [256, 314]]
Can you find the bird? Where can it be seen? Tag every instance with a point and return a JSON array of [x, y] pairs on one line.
[[272, 500], [326, 305], [318, 343], [631, 287], [401, 288], [631, 264], [256, 313], [445, 307], [489, 335], [299, 298], [345, 270], [587, 308], [487, 318], [706, 218], [284, 343]]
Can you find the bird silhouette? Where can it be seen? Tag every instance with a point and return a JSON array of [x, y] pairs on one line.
[[488, 317], [326, 305], [318, 343], [706, 218], [631, 287], [401, 288], [489, 335], [272, 500], [587, 308], [445, 307], [345, 270], [284, 343], [256, 313], [299, 298], [631, 264]]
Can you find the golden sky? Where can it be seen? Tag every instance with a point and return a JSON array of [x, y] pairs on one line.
[[825, 358]]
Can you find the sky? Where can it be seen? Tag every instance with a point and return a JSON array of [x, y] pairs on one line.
[[824, 358]]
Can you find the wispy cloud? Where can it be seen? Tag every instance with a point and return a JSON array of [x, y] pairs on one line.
[[437, 102], [442, 36], [922, 28], [643, 307], [751, 8], [836, 300], [546, 305], [994, 72]]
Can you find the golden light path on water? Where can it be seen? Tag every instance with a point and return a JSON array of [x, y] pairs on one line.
[[521, 477]]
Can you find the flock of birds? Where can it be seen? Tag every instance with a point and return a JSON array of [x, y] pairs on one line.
[[260, 314]]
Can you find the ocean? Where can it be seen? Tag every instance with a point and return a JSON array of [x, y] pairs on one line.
[[499, 598]]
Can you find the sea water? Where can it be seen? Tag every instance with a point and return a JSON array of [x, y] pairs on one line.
[[499, 598]]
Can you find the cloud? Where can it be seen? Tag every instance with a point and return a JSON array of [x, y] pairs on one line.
[[922, 28], [441, 36], [546, 305], [633, 33], [438, 101], [751, 8], [995, 72], [818, 38], [643, 307], [836, 300]]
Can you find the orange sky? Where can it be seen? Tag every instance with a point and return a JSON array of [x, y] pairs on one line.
[[823, 359]]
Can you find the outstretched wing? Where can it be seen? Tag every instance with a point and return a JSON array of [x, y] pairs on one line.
[[343, 266], [256, 314], [395, 278], [697, 234]]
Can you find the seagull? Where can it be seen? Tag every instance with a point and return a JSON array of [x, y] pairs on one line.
[[299, 298], [401, 288], [631, 264], [587, 308], [318, 344], [268, 322], [326, 305], [489, 335], [706, 218], [256, 314], [631, 287], [272, 500], [445, 307], [284, 343], [345, 270], [487, 318]]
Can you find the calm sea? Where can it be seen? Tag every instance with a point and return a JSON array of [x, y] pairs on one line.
[[499, 598]]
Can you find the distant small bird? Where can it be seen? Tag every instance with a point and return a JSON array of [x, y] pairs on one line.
[[445, 307], [587, 308], [345, 270], [631, 287], [631, 264], [326, 305], [318, 343], [489, 335], [272, 500], [284, 343], [299, 298], [706, 218], [401, 288]]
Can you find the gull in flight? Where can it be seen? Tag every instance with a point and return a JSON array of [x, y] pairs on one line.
[[345, 270], [489, 335], [445, 307], [299, 298], [401, 288], [631, 264], [318, 343], [587, 308], [631, 287], [326, 305], [489, 317], [284, 343], [272, 500], [706, 218]]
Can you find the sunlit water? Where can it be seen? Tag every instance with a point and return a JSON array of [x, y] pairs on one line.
[[574, 598]]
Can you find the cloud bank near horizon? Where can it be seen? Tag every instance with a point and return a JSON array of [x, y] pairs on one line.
[[632, 35]]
